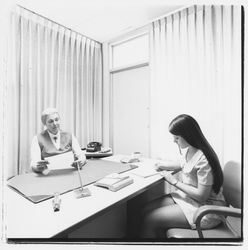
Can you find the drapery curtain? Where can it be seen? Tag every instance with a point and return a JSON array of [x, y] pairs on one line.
[[196, 69], [50, 66]]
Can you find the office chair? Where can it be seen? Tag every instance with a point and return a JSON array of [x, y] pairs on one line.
[[231, 226]]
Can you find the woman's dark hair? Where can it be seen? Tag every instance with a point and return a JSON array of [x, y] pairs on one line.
[[187, 127]]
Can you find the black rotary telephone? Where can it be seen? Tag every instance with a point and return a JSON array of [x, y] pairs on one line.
[[93, 146]]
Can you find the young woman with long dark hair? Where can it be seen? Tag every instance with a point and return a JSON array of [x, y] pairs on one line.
[[201, 183]]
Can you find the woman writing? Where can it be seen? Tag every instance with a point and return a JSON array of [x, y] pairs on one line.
[[201, 184]]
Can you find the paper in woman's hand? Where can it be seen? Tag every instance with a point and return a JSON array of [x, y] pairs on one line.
[[60, 161]]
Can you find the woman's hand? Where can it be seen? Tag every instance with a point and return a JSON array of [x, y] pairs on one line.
[[169, 178], [40, 166], [159, 166], [79, 163]]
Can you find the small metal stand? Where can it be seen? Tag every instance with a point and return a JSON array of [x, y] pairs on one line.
[[81, 192], [56, 202]]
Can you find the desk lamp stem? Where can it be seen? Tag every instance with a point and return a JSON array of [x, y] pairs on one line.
[[81, 192]]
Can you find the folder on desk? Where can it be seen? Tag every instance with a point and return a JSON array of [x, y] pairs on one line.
[[37, 188]]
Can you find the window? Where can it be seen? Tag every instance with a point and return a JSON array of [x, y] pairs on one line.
[[130, 52]]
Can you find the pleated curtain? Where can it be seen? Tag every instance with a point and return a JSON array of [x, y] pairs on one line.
[[196, 68], [50, 66]]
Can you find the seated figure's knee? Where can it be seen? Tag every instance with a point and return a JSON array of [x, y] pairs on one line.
[[145, 210], [151, 218]]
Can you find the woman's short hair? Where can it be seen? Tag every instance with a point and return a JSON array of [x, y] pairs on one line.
[[47, 112]]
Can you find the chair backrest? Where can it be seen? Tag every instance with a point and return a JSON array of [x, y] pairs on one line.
[[232, 183]]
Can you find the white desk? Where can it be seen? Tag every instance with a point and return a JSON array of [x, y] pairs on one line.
[[27, 220]]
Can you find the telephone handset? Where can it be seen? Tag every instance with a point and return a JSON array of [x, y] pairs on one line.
[[93, 146]]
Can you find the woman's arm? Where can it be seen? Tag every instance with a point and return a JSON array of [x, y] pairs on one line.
[[35, 152], [204, 180], [168, 165], [37, 165], [200, 193]]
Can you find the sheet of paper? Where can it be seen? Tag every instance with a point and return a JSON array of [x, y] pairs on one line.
[[144, 169], [60, 161], [145, 172]]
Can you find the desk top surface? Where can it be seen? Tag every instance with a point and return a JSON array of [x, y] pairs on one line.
[[24, 219]]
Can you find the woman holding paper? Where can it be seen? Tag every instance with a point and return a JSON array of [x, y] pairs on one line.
[[53, 141], [201, 184]]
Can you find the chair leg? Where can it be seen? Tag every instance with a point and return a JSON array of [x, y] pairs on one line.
[[199, 231]]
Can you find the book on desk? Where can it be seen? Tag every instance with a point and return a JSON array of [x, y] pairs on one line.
[[114, 182]]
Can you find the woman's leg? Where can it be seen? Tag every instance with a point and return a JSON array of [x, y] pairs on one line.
[[159, 202], [140, 214], [162, 218]]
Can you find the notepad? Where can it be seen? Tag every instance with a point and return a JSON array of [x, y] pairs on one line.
[[145, 172], [144, 169], [60, 161]]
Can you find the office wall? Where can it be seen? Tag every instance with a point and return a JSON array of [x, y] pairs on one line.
[[126, 87], [218, 110], [196, 69], [131, 111]]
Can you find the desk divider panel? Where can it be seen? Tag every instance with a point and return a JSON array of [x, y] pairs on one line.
[[37, 188]]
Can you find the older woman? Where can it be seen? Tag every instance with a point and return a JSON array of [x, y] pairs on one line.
[[53, 141]]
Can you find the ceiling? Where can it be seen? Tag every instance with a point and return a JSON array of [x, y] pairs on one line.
[[100, 20]]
